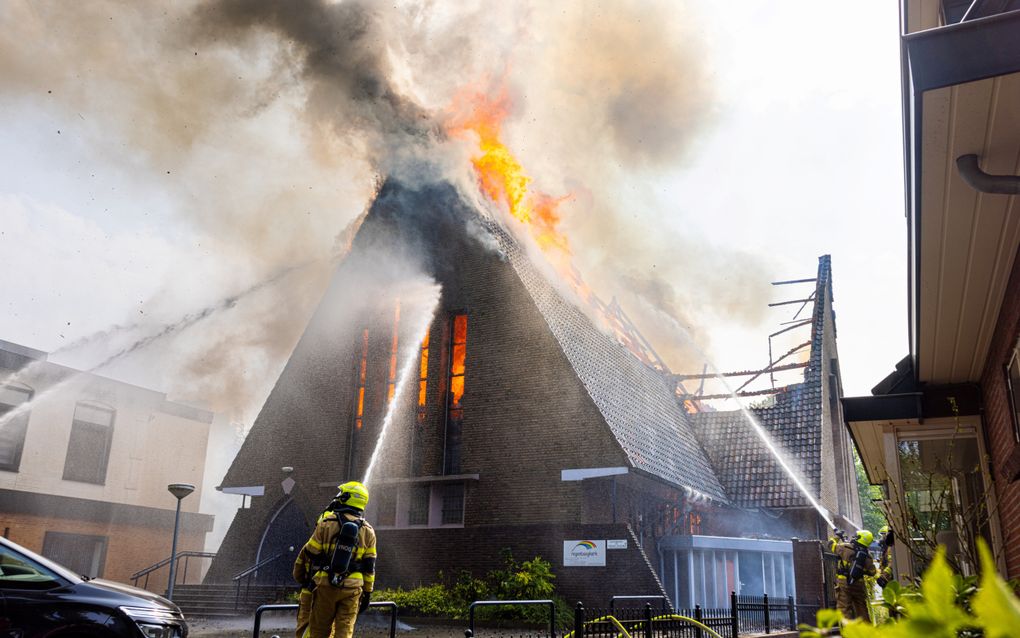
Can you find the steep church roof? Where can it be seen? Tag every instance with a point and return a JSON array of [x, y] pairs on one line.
[[638, 403]]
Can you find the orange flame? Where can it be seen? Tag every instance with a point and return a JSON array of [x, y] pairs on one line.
[[500, 174]]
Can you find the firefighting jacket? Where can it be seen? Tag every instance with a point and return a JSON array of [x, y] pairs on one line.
[[847, 552], [320, 548], [303, 570]]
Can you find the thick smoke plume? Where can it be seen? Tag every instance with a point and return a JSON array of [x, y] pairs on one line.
[[266, 125]]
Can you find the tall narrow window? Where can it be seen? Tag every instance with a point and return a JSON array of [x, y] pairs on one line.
[[88, 451], [362, 375], [454, 410], [359, 408], [392, 384], [423, 377], [423, 387], [12, 427]]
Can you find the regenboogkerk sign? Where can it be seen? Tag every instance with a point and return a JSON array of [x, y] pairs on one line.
[[584, 553]]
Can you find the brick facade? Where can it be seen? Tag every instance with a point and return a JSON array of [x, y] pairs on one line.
[[129, 548], [999, 425]]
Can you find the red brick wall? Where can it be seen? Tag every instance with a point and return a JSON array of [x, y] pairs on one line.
[[999, 421], [129, 548]]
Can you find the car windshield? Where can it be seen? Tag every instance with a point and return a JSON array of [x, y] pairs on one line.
[[22, 569]]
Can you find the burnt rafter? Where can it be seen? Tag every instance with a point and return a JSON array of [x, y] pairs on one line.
[[752, 393], [772, 366], [740, 373]]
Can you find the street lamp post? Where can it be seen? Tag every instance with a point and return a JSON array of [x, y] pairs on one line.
[[179, 490]]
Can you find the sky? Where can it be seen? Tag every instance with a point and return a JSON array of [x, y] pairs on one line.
[[796, 152]]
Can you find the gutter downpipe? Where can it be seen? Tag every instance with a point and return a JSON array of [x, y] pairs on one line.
[[970, 171]]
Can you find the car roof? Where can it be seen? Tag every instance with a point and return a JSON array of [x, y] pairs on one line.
[[45, 562]]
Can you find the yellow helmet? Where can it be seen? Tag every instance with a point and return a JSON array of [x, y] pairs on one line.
[[884, 530], [353, 494], [864, 537]]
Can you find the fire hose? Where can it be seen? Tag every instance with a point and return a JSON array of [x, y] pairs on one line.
[[626, 634]]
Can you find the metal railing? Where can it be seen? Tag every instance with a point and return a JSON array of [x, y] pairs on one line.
[[251, 572], [293, 607], [646, 622], [665, 601], [166, 561], [470, 631], [762, 614]]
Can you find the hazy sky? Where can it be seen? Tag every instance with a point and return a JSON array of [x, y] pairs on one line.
[[802, 157]]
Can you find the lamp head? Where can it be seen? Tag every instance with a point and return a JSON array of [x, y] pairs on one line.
[[180, 490]]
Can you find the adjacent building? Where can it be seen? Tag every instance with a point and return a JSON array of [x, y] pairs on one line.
[[84, 466], [524, 420], [941, 434]]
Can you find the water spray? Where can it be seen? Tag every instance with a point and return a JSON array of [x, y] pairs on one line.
[[406, 373], [164, 331], [756, 426]]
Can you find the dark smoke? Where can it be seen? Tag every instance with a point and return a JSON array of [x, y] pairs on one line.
[[340, 53]]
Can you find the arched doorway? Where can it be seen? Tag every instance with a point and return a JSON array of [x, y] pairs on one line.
[[286, 533]]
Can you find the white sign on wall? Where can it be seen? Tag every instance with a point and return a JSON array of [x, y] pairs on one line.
[[616, 544], [584, 553]]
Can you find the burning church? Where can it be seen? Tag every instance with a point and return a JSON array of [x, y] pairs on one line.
[[489, 405]]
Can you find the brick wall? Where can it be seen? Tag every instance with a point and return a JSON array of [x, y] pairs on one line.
[[999, 422], [410, 557], [129, 548], [808, 572]]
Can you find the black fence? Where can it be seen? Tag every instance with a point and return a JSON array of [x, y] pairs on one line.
[[745, 615]]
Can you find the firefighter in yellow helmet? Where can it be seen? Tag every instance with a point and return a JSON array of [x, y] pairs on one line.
[[303, 574], [854, 564], [886, 539], [342, 552]]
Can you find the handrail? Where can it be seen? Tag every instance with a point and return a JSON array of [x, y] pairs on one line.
[[166, 561], [247, 574], [260, 564], [292, 607], [665, 600]]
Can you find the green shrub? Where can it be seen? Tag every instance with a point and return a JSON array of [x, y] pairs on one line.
[[530, 580], [430, 600]]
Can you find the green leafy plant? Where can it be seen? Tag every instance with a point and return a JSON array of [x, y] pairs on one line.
[[945, 605], [528, 580]]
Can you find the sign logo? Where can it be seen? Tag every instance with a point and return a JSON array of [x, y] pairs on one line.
[[584, 553]]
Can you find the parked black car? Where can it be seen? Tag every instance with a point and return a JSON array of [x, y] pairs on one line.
[[40, 598]]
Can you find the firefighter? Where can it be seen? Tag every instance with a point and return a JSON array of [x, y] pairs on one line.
[[854, 564], [342, 553], [303, 574], [885, 544]]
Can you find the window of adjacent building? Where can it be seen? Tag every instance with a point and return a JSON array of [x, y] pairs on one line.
[[84, 555], [455, 411], [13, 426], [418, 510], [452, 503], [1013, 382], [88, 451]]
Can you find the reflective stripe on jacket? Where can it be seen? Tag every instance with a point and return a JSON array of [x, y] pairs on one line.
[[320, 548]]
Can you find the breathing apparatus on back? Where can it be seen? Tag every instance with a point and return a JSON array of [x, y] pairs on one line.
[[351, 499], [862, 541]]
